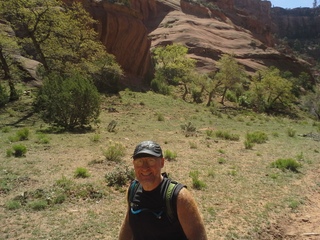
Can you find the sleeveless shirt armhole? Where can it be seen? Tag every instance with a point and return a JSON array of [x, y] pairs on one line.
[[175, 197]]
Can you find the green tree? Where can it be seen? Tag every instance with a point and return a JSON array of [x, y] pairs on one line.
[[173, 67], [231, 75], [62, 38], [312, 103], [69, 102], [269, 91], [34, 21], [8, 45]]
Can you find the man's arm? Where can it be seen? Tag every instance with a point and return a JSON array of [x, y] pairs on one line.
[[125, 231], [189, 216]]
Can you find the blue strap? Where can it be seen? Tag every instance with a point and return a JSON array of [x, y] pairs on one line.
[[158, 215]]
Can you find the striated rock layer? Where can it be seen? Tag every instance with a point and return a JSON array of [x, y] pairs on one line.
[[244, 28]]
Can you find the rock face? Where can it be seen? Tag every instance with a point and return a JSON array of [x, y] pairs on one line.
[[298, 23], [244, 28]]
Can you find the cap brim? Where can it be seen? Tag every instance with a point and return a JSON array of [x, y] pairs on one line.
[[148, 152]]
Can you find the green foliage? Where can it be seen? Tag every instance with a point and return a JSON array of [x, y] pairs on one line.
[[19, 150], [173, 67], [196, 182], [63, 39], [269, 91], [169, 155], [4, 97], [114, 152], [69, 102], [112, 126], [248, 144], [160, 117], [42, 138], [227, 136], [159, 86], [311, 102], [286, 164], [230, 75], [81, 173], [23, 134], [12, 205], [257, 137], [38, 204], [119, 177], [291, 132], [189, 129]]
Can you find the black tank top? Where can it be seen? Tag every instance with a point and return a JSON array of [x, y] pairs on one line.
[[147, 216]]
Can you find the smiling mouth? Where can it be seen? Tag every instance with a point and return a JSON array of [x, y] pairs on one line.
[[145, 174]]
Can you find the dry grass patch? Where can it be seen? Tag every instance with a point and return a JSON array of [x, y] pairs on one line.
[[243, 194]]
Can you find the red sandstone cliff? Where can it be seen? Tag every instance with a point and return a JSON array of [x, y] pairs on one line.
[[240, 27]]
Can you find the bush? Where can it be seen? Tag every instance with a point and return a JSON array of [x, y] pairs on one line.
[[4, 97], [196, 182], [257, 137], [23, 134], [81, 173], [160, 87], [12, 205], [68, 102], [119, 177], [286, 164], [227, 136], [38, 204], [19, 150], [291, 132], [114, 152], [170, 155]]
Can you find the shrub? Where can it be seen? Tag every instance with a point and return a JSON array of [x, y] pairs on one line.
[[65, 183], [189, 129], [257, 137], [68, 102], [291, 132], [60, 198], [196, 182], [23, 134], [42, 139], [119, 177], [95, 138], [38, 205], [81, 173], [4, 97], [12, 205], [160, 117], [227, 136], [114, 152], [248, 144], [209, 133], [286, 164], [111, 126], [170, 155], [160, 87], [19, 150]]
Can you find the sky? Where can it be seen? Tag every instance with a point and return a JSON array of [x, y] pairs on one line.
[[293, 3]]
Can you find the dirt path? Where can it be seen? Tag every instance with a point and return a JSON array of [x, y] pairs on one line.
[[305, 224]]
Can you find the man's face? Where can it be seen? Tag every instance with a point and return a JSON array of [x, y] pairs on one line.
[[148, 171]]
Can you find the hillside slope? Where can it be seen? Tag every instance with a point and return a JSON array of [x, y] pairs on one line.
[[245, 28]]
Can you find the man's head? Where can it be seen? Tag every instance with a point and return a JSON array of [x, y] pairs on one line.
[[147, 148], [148, 162]]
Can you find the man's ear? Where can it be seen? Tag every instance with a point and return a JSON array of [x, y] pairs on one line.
[[162, 162]]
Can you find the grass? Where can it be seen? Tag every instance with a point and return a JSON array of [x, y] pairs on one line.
[[242, 193]]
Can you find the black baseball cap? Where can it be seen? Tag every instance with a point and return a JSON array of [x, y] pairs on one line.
[[147, 148]]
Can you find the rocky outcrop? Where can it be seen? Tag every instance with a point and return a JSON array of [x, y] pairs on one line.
[[244, 28], [298, 23]]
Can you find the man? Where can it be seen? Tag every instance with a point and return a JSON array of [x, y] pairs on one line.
[[147, 217]]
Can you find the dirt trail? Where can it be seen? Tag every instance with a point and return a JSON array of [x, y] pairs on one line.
[[305, 224]]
